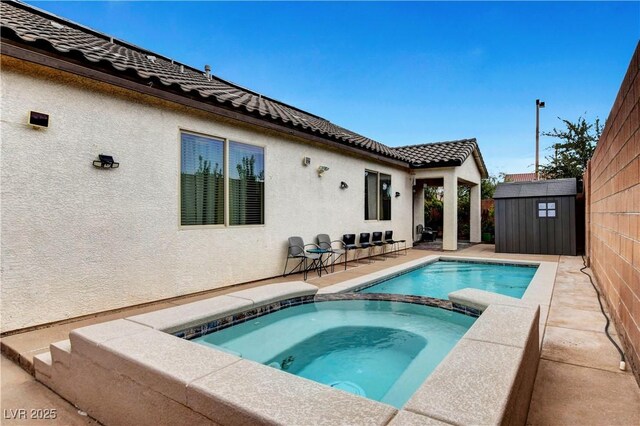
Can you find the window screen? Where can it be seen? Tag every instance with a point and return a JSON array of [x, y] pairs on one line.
[[385, 197], [370, 195], [246, 184], [201, 180]]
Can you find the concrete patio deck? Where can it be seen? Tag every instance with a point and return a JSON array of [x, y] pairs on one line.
[[577, 383], [578, 379]]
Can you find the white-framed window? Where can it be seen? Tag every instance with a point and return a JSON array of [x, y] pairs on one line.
[[246, 184], [211, 165], [547, 209], [377, 196], [201, 180]]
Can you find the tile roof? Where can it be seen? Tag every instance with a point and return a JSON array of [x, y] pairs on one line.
[[520, 177], [32, 26], [538, 188], [40, 30], [442, 154]]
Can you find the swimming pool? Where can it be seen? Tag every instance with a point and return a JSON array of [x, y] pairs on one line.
[[440, 278], [377, 349]]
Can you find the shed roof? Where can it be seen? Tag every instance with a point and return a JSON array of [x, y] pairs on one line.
[[540, 188]]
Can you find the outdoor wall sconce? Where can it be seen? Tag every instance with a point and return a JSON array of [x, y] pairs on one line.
[[321, 170], [306, 161], [343, 185], [105, 162], [397, 194], [38, 120]]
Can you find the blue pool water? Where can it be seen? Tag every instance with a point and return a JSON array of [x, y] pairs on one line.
[[438, 279], [377, 349]]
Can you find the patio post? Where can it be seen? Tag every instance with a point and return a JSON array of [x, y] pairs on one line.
[[418, 209], [450, 220], [475, 214]]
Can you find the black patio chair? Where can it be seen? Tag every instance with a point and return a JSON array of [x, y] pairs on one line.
[[325, 242], [376, 240], [426, 234], [365, 243], [388, 238], [349, 244], [298, 250]]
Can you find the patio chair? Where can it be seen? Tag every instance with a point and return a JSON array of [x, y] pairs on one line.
[[298, 250], [376, 240], [426, 234], [324, 242], [349, 244], [388, 237], [365, 243]]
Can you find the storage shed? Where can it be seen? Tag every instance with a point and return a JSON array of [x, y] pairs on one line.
[[537, 217]]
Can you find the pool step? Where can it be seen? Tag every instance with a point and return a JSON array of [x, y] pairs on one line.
[[43, 367], [61, 352], [50, 366]]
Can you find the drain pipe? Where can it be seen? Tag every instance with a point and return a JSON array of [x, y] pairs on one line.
[[623, 364]]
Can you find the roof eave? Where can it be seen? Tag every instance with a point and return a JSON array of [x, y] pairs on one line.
[[26, 52], [436, 164]]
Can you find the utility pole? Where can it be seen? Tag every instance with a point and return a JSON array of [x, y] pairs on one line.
[[538, 106]]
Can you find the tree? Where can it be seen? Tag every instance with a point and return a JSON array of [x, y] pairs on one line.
[[488, 187], [578, 141], [433, 207]]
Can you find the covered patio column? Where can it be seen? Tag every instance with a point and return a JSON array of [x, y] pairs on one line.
[[475, 214], [418, 208], [450, 225]]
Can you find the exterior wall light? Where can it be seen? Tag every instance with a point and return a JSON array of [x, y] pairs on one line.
[[306, 161], [321, 170], [397, 194], [38, 120], [105, 162], [343, 185]]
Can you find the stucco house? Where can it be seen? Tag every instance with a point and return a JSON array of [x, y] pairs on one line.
[[211, 180]]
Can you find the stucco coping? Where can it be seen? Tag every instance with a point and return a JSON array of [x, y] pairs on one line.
[[540, 289], [252, 393], [270, 293], [505, 325], [476, 381], [162, 362], [86, 340], [482, 299], [192, 314], [471, 385]]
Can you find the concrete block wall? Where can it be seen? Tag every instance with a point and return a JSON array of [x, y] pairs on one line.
[[612, 186]]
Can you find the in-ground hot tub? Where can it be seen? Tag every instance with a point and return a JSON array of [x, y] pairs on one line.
[[143, 370], [381, 350]]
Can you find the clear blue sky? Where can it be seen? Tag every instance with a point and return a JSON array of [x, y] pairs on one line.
[[401, 73]]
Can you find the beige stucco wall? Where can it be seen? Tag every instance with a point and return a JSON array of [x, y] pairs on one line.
[[77, 240]]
